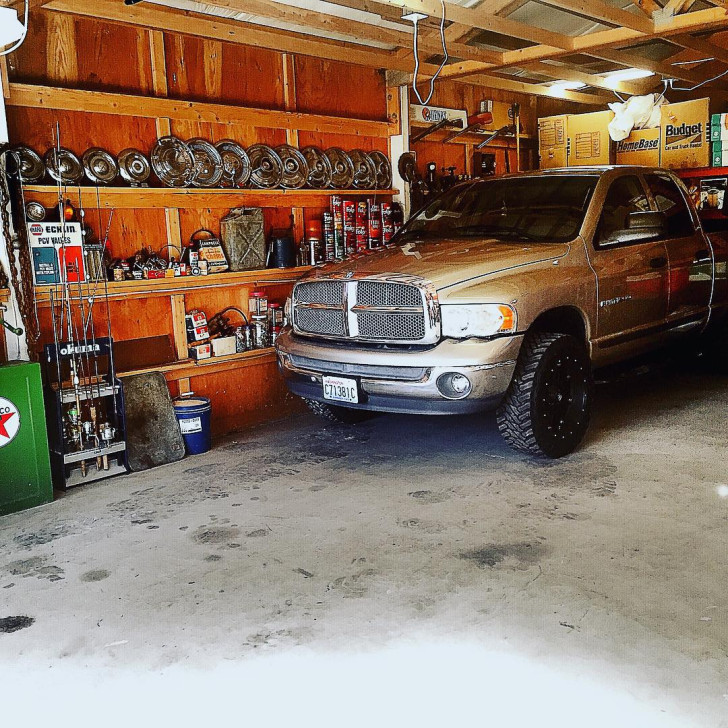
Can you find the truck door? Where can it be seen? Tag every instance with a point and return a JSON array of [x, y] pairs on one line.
[[631, 275], [688, 253]]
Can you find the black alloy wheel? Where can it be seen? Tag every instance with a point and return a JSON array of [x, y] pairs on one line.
[[548, 404]]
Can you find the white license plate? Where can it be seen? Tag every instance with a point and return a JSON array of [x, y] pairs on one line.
[[341, 389]]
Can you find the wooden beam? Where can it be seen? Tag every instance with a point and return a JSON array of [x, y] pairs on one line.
[[145, 106], [158, 63], [156, 17], [532, 89], [592, 43], [701, 46], [605, 13], [570, 74], [481, 17]]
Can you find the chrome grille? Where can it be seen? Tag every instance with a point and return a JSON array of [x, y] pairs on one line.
[[377, 293], [326, 292], [401, 309], [329, 322], [393, 326]]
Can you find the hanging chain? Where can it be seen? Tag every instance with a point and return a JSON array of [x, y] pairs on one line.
[[19, 258]]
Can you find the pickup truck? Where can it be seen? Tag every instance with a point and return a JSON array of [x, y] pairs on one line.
[[507, 293]]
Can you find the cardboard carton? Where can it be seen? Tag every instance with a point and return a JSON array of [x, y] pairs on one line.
[[552, 141], [642, 146], [588, 139], [684, 132]]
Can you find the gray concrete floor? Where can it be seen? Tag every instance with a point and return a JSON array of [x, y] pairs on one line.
[[406, 571]]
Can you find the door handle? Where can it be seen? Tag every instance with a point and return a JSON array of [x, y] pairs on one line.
[[659, 262], [701, 255]]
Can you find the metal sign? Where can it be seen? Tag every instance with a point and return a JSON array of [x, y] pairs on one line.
[[9, 421]]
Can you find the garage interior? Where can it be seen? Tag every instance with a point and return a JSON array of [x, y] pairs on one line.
[[196, 545]]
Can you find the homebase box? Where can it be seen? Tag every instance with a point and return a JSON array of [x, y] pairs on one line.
[[684, 130], [589, 142], [552, 142], [642, 147], [57, 252]]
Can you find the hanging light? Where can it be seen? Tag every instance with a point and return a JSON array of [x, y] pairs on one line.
[[560, 87], [12, 31]]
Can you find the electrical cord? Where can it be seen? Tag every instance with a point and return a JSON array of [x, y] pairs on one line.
[[415, 48], [702, 83]]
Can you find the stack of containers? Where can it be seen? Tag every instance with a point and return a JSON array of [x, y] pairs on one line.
[[719, 140]]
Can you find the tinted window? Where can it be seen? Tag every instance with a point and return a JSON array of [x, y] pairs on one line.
[[547, 208], [625, 195], [670, 201]]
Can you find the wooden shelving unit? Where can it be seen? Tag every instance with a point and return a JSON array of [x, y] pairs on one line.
[[176, 286], [138, 110], [140, 198]]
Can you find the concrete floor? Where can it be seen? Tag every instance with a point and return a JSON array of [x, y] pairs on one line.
[[408, 570]]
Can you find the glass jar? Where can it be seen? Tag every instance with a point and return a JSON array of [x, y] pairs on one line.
[[258, 303], [260, 331]]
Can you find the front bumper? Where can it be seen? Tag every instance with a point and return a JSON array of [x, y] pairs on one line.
[[392, 380]]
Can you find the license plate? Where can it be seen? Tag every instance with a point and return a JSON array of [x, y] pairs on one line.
[[341, 389]]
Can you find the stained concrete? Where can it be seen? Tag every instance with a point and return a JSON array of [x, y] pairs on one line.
[[405, 571]]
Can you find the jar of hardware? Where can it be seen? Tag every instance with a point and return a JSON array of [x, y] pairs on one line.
[[260, 331]]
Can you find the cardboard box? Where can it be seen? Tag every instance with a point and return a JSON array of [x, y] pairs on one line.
[[684, 131], [719, 127], [589, 142], [719, 155], [223, 346], [552, 141], [642, 146]]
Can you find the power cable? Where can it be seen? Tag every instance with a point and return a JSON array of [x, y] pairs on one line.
[[415, 49]]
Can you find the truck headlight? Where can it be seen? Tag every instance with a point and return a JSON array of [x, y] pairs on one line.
[[287, 311], [477, 319]]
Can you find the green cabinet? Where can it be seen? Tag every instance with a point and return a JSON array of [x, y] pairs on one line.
[[25, 471]]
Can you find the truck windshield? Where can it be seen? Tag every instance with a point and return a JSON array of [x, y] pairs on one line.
[[548, 208]]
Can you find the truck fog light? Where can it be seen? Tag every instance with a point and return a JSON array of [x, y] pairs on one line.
[[454, 385]]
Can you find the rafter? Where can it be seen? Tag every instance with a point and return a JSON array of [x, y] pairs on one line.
[[599, 43], [606, 13], [570, 74], [481, 17], [701, 46], [356, 29], [160, 18]]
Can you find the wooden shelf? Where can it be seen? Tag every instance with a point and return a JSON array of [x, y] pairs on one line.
[[188, 368], [696, 172], [151, 107], [136, 198], [182, 284], [471, 138]]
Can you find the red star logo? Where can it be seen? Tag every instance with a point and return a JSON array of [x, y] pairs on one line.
[[3, 420]]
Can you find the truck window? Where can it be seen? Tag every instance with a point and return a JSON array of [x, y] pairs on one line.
[[548, 208], [670, 201], [625, 195]]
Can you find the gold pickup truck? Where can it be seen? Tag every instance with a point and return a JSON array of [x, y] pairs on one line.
[[506, 293]]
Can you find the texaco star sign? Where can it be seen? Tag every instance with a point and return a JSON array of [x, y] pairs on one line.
[[9, 421]]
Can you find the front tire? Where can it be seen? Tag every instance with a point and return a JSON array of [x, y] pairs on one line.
[[547, 406], [334, 413]]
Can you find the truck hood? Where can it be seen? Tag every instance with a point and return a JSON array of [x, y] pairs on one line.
[[448, 262]]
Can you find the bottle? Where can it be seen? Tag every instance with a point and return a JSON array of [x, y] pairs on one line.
[[259, 303]]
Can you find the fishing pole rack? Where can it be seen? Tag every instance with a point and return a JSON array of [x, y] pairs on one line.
[[86, 424]]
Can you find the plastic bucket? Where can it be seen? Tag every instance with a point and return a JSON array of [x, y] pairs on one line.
[[193, 415]]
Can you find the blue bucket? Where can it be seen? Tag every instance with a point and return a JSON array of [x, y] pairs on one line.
[[193, 415]]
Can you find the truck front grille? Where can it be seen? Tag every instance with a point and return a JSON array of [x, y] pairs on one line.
[[367, 310], [395, 326], [321, 321]]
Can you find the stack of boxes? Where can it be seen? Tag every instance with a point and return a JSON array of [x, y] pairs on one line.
[[682, 140], [719, 140]]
